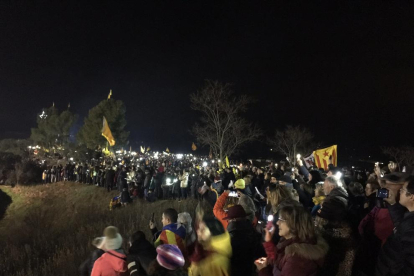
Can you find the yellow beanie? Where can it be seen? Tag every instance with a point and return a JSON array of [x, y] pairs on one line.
[[240, 184]]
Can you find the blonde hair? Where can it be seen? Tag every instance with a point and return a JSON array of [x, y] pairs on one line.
[[278, 193], [299, 221]]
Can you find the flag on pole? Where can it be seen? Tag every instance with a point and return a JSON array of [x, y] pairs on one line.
[[106, 132], [322, 156], [142, 150], [210, 155], [110, 94], [193, 147], [227, 162], [309, 161], [167, 150], [148, 149]]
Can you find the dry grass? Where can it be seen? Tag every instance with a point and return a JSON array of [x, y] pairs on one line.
[[48, 229]]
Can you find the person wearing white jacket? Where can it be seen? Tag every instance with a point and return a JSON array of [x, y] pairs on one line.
[[183, 184]]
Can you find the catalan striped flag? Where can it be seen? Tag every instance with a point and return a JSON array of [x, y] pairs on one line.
[[322, 156], [106, 132]]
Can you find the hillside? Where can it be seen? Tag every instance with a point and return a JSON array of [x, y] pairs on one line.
[[48, 229]]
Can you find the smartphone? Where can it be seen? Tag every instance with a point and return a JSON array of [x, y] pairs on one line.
[[269, 226], [233, 194], [382, 193]]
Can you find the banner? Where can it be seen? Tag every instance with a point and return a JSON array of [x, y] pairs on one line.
[[322, 156], [106, 132], [227, 162], [309, 161]]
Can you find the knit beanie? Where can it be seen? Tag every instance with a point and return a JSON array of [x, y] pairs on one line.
[[170, 256], [240, 184], [111, 240]]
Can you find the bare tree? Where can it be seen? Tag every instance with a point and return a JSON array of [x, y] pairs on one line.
[[401, 155], [222, 127], [291, 141]]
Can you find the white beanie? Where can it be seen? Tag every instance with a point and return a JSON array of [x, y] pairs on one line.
[[111, 240]]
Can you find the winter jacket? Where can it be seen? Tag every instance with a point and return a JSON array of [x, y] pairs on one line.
[[246, 246], [110, 176], [342, 249], [217, 261], [378, 222], [86, 267], [397, 255], [218, 209], [339, 193], [172, 234], [184, 180], [112, 263], [295, 258], [140, 256]]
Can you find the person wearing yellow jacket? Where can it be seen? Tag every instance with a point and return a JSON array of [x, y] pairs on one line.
[[212, 252]]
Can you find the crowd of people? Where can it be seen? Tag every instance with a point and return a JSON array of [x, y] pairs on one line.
[[250, 220]]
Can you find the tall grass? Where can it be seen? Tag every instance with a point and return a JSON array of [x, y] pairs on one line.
[[48, 229]]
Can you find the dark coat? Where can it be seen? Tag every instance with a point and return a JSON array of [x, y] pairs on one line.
[[397, 255], [141, 254], [110, 176], [246, 246], [339, 193]]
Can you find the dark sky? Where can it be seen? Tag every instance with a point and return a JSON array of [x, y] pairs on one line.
[[345, 69]]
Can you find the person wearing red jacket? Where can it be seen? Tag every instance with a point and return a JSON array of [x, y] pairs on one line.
[[300, 251]]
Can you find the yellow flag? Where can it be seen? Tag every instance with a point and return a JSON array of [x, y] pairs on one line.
[[110, 94], [193, 147], [142, 150], [227, 162], [322, 156], [167, 150], [106, 132], [148, 149]]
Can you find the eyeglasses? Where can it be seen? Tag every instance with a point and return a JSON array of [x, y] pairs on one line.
[[406, 192]]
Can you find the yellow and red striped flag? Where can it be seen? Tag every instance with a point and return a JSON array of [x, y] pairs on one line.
[[106, 132], [322, 156]]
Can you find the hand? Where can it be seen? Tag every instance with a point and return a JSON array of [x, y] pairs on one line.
[[269, 234], [299, 162], [377, 171], [151, 225], [261, 263], [296, 171], [392, 198]]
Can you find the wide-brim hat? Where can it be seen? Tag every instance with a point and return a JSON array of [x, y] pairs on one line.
[[396, 177]]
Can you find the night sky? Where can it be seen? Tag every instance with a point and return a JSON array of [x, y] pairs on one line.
[[344, 69]]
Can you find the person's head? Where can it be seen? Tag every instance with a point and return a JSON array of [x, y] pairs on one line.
[[356, 188], [407, 195], [268, 176], [295, 222], [236, 213], [277, 193], [169, 259], [248, 205], [319, 189], [208, 228], [136, 237], [371, 187], [111, 239], [274, 177], [331, 182], [395, 181], [284, 179], [185, 219], [315, 176], [169, 216], [333, 211]]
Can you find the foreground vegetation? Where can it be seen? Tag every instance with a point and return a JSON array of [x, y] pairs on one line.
[[48, 229]]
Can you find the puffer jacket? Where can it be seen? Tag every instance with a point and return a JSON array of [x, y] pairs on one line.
[[217, 262], [112, 263], [293, 257], [184, 180]]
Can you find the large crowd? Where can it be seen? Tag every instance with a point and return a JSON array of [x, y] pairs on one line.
[[276, 219]]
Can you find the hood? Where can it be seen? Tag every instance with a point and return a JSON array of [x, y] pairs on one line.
[[309, 251], [116, 260], [221, 244], [177, 229]]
